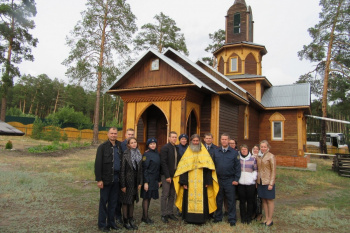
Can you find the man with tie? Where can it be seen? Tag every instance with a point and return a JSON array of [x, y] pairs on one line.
[[208, 143], [228, 169]]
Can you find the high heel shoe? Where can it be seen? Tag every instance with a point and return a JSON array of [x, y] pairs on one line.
[[269, 225]]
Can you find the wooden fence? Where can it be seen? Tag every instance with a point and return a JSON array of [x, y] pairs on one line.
[[341, 164], [72, 133]]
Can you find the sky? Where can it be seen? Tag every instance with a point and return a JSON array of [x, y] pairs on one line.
[[280, 25]]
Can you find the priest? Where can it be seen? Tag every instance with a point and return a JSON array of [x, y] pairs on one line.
[[196, 183]]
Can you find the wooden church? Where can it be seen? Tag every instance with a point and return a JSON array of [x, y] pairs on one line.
[[165, 92]]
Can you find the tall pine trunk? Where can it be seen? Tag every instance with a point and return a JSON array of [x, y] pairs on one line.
[[99, 80]]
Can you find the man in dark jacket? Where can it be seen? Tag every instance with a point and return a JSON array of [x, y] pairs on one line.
[[228, 169], [169, 158], [208, 143], [107, 167]]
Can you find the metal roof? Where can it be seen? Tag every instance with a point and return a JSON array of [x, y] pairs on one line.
[[287, 96], [6, 129]]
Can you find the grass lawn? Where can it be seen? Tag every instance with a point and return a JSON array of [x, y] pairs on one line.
[[56, 192]]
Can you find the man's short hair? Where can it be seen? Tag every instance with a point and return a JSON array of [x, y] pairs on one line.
[[225, 135], [113, 128], [195, 136], [208, 135], [130, 129], [172, 132]]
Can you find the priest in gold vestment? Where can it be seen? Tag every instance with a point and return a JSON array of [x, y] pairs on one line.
[[196, 183]]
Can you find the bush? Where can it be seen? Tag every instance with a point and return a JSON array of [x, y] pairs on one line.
[[64, 137], [8, 145], [38, 129]]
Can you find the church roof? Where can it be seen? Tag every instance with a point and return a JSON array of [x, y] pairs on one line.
[[292, 95], [170, 62]]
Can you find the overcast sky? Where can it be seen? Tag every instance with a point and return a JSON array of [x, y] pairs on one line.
[[280, 25]]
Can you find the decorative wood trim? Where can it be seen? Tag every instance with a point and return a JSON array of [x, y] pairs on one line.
[[258, 90], [215, 113], [300, 118], [116, 91]]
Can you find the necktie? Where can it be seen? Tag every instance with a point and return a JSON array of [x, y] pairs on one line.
[[224, 150], [175, 157], [208, 148]]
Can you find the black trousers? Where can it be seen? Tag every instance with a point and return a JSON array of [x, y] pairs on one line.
[[246, 201]]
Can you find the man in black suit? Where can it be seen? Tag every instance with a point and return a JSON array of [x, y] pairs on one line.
[[107, 168], [208, 143], [169, 157]]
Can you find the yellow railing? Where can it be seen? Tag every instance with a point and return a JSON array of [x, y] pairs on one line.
[[330, 150], [72, 133]]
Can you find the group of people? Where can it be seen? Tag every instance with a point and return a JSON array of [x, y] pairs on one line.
[[198, 178]]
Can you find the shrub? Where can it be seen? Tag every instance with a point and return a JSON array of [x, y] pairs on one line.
[[38, 128], [8, 145], [64, 137]]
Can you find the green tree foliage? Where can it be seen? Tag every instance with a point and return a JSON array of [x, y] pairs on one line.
[[329, 49], [218, 40], [105, 30], [15, 41], [163, 34], [69, 115]]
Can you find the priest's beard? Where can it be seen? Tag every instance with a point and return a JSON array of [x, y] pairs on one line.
[[195, 148]]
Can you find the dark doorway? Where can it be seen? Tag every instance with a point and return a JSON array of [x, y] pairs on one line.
[[191, 124], [152, 123]]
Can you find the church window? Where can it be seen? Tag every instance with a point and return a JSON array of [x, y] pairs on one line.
[[155, 64], [277, 121], [234, 64], [237, 23]]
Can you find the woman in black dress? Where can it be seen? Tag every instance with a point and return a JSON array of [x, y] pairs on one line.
[[151, 177], [130, 181]]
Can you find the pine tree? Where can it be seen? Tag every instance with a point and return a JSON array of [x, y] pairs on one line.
[[105, 30], [15, 41], [329, 49]]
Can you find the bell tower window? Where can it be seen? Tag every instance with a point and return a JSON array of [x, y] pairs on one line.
[[237, 23], [233, 64]]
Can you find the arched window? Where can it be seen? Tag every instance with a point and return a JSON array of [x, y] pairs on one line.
[[277, 126], [237, 23]]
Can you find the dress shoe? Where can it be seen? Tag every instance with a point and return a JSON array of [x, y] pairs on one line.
[[127, 224], [269, 225], [147, 220], [132, 224], [232, 224], [119, 222], [172, 217], [216, 221], [164, 219], [115, 227], [103, 229]]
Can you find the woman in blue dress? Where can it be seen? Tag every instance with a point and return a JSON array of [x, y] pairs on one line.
[[151, 177]]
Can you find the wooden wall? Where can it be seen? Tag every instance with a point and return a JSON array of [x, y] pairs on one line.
[[253, 133], [228, 122], [248, 86], [290, 144], [250, 65], [205, 118], [142, 76]]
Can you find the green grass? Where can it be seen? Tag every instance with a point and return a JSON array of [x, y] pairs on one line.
[[56, 146]]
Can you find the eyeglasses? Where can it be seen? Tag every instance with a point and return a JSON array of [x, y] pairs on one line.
[[232, 143]]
